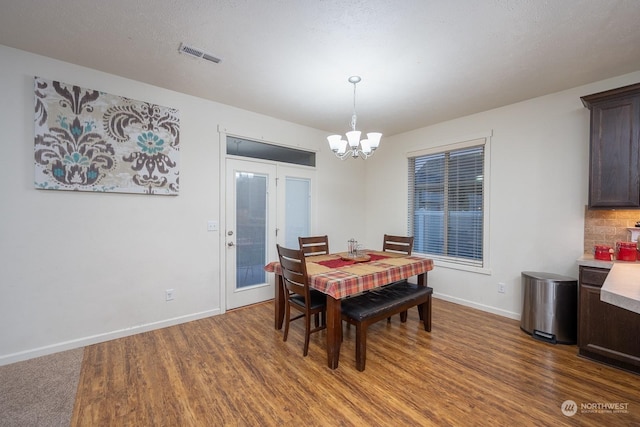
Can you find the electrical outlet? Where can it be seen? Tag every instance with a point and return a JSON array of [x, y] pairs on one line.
[[501, 288], [168, 294]]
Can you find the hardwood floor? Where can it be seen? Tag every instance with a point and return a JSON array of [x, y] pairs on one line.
[[474, 368]]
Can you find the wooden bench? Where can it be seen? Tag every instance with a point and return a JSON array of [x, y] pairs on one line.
[[373, 306]]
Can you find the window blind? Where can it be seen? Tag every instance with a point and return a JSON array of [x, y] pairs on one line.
[[446, 204]]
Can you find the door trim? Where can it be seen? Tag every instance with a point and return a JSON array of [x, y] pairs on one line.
[[223, 132]]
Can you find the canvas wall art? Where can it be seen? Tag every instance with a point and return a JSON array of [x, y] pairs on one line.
[[87, 140]]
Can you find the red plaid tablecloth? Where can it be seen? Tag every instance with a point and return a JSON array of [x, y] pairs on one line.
[[352, 279]]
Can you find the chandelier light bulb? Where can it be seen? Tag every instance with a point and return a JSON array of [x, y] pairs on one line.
[[334, 142], [353, 138]]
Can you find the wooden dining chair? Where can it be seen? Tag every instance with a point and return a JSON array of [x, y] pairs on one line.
[[400, 245], [304, 299], [314, 245]]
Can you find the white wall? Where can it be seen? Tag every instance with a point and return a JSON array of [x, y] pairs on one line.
[[78, 268], [538, 192]]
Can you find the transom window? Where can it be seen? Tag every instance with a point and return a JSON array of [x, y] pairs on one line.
[[261, 150]]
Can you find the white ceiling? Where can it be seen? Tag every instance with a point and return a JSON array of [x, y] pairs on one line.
[[421, 61]]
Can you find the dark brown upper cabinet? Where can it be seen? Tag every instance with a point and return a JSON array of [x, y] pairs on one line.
[[614, 169]]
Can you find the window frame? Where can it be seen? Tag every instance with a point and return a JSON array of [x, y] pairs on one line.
[[480, 139]]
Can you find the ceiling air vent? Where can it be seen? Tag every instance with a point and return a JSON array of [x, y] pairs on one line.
[[198, 53]]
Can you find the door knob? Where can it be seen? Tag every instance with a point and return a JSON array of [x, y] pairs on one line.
[[230, 244]]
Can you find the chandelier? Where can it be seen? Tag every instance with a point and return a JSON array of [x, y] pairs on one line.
[[353, 146]]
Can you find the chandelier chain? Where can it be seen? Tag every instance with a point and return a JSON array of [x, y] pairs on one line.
[[354, 117]]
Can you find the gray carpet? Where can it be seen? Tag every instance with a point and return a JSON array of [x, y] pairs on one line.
[[40, 392]]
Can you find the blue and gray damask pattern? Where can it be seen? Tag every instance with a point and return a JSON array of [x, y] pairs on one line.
[[92, 141]]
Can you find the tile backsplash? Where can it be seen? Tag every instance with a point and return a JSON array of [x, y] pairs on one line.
[[606, 227]]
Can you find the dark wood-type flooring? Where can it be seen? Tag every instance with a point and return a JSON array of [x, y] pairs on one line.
[[474, 368]]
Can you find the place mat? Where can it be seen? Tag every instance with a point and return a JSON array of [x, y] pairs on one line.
[[318, 258], [356, 258], [315, 268], [399, 261], [376, 257], [362, 268], [337, 263], [386, 254]]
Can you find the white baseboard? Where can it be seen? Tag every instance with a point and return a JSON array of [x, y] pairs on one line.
[[94, 339], [487, 308]]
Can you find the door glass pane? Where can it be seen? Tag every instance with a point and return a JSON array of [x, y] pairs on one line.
[[297, 210], [251, 228]]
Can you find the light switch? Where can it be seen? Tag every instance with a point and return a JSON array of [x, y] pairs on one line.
[[212, 225]]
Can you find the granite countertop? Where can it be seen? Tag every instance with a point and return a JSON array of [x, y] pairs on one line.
[[622, 285], [588, 261]]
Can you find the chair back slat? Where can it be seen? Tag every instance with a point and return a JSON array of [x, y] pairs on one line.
[[398, 244], [314, 245]]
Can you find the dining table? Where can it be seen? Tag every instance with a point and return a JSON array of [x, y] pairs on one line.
[[340, 276]]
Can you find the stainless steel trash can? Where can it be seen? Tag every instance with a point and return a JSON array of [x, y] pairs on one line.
[[549, 311]]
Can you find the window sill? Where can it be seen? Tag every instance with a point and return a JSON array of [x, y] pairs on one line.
[[457, 266]]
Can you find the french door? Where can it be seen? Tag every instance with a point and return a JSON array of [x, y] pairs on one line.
[[266, 203]]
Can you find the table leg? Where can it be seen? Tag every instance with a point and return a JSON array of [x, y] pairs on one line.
[[334, 331], [422, 279], [279, 302], [427, 321]]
